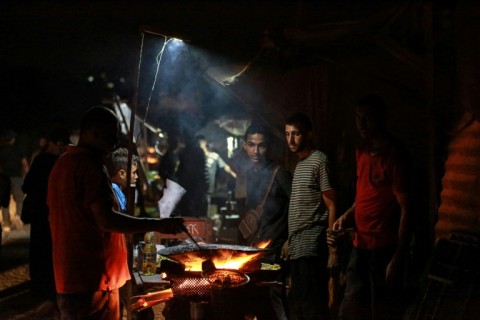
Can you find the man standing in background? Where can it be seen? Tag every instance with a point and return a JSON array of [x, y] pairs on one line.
[[380, 215], [268, 181], [36, 213], [311, 212], [213, 162]]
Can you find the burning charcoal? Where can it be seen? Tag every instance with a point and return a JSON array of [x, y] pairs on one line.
[[227, 281], [208, 266], [227, 278]]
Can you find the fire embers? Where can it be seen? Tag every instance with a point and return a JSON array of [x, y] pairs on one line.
[[227, 278], [223, 278], [195, 285]]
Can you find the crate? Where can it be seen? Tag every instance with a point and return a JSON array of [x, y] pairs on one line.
[[198, 227]]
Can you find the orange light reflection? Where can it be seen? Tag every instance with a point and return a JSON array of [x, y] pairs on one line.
[[264, 244]]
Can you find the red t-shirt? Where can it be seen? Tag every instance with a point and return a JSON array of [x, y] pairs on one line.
[[85, 257], [379, 178]]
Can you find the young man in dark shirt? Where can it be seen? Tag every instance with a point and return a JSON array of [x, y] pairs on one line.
[[273, 221]]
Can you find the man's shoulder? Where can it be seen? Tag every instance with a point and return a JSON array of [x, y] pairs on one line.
[[266, 169], [44, 158], [213, 155], [272, 165], [281, 171], [78, 155], [318, 154], [317, 157]]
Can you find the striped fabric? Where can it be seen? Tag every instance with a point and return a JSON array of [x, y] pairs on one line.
[[459, 200], [308, 215]]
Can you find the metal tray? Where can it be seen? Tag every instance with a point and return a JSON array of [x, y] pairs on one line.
[[206, 248]]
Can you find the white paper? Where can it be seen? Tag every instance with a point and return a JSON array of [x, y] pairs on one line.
[[172, 193]]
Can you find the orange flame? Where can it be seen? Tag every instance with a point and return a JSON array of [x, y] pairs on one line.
[[233, 263], [223, 259], [263, 244]]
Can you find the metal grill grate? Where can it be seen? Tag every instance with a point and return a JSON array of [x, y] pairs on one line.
[[191, 287]]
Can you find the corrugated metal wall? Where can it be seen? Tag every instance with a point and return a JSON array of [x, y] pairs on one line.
[[459, 209]]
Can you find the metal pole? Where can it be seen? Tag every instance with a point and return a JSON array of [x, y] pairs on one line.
[[131, 144]]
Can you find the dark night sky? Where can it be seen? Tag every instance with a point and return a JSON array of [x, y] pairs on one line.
[[49, 49]]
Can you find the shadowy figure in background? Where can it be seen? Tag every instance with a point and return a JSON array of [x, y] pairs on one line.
[[4, 198], [213, 162], [380, 214], [169, 161], [191, 176], [312, 210], [89, 249], [14, 163], [35, 187], [273, 222], [42, 146]]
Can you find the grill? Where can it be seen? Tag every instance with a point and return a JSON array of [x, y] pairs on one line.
[[214, 292], [191, 286]]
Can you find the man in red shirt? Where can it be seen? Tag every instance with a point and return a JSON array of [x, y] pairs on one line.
[[89, 250], [380, 214]]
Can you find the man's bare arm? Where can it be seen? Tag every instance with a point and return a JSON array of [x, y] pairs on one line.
[[113, 221]]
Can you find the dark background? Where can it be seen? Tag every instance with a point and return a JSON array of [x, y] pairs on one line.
[[49, 49], [421, 56]]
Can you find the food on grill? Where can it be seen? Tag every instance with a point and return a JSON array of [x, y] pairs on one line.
[[267, 266], [226, 278]]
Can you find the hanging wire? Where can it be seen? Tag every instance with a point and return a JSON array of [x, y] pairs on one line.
[[138, 68], [158, 60], [131, 126]]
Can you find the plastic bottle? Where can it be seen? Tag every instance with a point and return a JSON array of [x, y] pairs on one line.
[[150, 254]]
